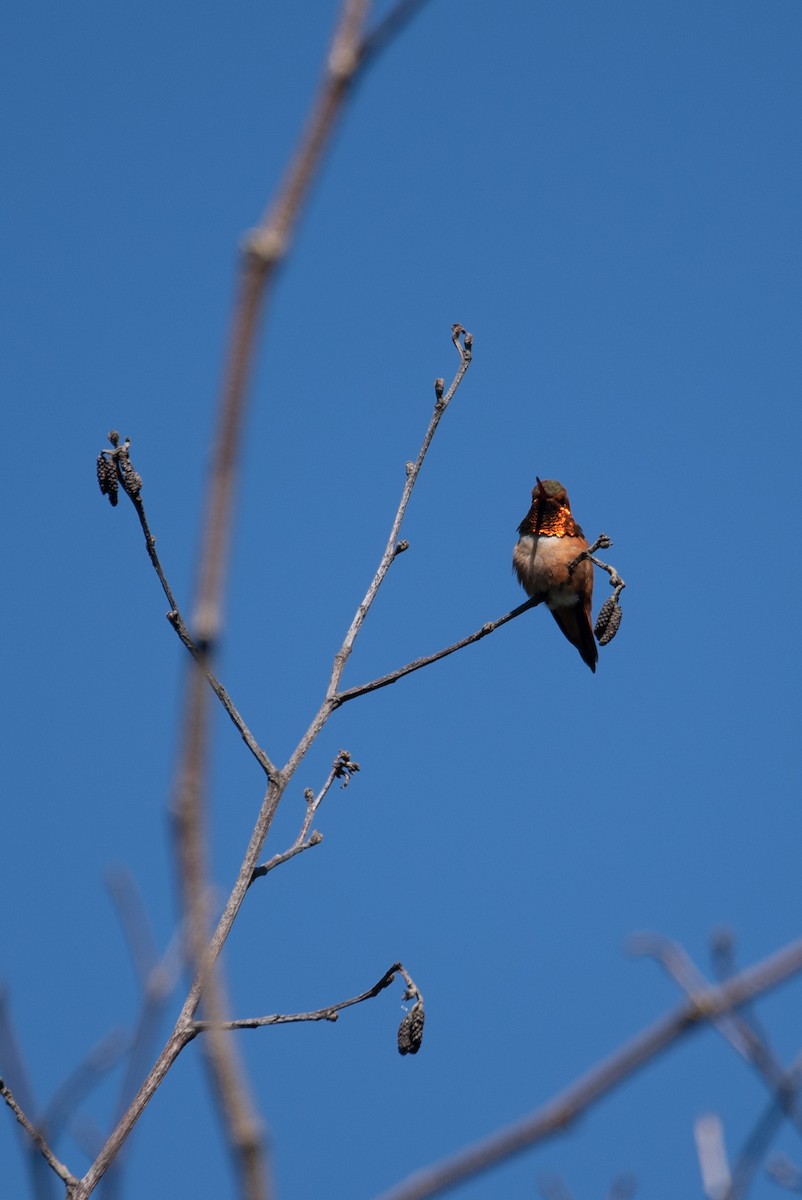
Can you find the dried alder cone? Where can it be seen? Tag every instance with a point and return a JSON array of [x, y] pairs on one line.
[[114, 466], [608, 620], [107, 478], [410, 1031]]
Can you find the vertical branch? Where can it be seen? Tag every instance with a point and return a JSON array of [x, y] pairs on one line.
[[266, 248]]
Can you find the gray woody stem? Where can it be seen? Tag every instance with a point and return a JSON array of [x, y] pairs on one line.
[[329, 1013]]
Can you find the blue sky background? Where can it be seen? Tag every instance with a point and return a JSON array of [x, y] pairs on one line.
[[608, 196]]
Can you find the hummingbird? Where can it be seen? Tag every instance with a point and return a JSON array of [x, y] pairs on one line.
[[549, 539]]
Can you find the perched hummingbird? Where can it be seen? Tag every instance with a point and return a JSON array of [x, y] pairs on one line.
[[549, 540]]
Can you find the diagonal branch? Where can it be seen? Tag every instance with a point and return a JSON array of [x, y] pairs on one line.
[[731, 1025], [463, 343], [578, 1097], [744, 1039], [120, 453], [36, 1138], [384, 680]]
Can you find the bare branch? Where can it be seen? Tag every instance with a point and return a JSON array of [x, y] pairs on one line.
[[330, 1013], [384, 680], [750, 1045], [157, 978], [386, 29], [343, 767], [174, 615], [610, 613], [36, 1138], [463, 343], [238, 1114], [603, 542], [724, 965], [741, 1036], [177, 622], [564, 1108]]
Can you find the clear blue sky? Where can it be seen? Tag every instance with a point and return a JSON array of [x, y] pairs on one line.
[[608, 196]]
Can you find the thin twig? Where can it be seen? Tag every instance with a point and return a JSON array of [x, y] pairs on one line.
[[83, 1079], [342, 767], [731, 1025], [384, 680], [329, 1013], [724, 964], [764, 1131], [179, 625], [463, 343], [603, 542], [387, 28], [36, 1138], [157, 977], [564, 1108]]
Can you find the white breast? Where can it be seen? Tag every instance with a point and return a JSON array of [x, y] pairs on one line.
[[540, 564]]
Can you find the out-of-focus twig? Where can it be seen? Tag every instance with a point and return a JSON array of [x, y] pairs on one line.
[[742, 1036], [708, 1133], [157, 978], [725, 964], [264, 250], [785, 1173], [558, 1113]]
